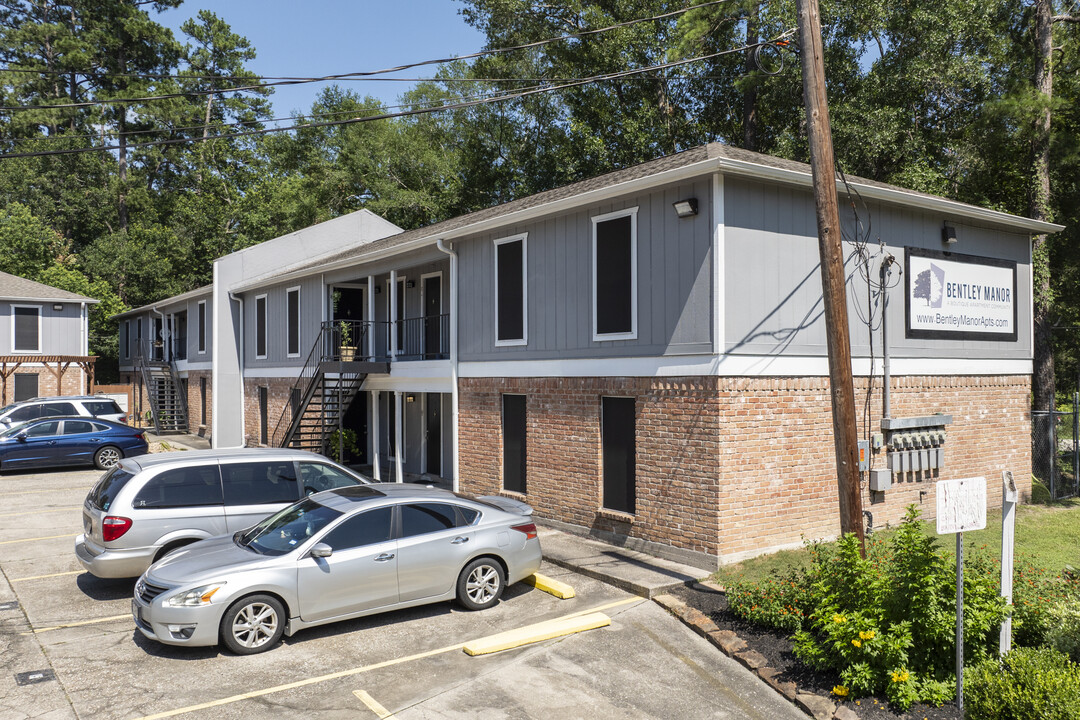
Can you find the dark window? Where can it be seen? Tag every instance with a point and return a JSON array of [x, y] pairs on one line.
[[102, 407], [319, 476], [182, 487], [510, 290], [27, 412], [513, 421], [366, 528], [613, 274], [138, 329], [202, 327], [77, 427], [57, 409], [421, 518], [618, 431], [26, 386], [127, 338], [294, 322], [296, 396], [468, 515], [98, 427], [401, 315], [202, 400], [259, 483], [44, 429], [108, 487], [391, 424], [263, 420], [260, 327], [26, 329]]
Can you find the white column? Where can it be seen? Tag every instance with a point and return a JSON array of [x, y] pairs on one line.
[[371, 316], [375, 471], [399, 421], [393, 314]]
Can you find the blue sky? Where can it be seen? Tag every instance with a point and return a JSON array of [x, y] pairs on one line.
[[313, 38]]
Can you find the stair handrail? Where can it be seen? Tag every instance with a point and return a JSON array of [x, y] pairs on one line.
[[284, 429]]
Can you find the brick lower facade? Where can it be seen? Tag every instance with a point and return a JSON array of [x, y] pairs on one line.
[[277, 397], [198, 422], [729, 468], [72, 382]]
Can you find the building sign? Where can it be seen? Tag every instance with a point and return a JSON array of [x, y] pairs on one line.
[[961, 505], [961, 297]]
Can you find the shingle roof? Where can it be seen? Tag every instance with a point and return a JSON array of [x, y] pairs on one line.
[[13, 287], [182, 297], [701, 154]]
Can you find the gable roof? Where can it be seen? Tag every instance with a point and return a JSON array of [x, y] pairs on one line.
[[205, 290], [13, 287], [714, 157]]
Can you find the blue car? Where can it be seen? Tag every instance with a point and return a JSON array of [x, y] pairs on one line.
[[55, 442]]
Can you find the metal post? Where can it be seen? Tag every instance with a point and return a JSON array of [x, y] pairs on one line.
[[376, 405], [960, 622], [1052, 433], [399, 472], [1009, 496]]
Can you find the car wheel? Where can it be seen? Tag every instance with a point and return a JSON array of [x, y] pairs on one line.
[[169, 549], [253, 624], [480, 584], [107, 457]]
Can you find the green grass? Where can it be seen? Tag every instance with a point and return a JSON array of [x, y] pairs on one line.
[[1048, 534]]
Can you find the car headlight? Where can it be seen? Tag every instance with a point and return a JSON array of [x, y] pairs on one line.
[[194, 597]]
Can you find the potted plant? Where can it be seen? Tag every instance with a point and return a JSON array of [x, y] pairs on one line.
[[347, 440], [348, 350]]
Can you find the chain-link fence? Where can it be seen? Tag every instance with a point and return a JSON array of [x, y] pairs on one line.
[[1055, 452]]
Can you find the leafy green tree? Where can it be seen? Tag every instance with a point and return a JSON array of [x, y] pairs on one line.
[[27, 245]]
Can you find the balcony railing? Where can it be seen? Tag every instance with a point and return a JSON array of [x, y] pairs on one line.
[[421, 338]]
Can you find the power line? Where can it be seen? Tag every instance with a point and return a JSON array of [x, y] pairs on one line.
[[329, 78], [406, 113]]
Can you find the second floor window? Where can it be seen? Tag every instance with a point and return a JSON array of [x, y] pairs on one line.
[[27, 329], [202, 326], [615, 276], [293, 296], [260, 326], [511, 289]]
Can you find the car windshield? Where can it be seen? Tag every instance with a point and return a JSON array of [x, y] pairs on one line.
[[282, 532]]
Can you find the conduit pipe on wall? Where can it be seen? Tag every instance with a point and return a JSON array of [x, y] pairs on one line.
[[441, 244]]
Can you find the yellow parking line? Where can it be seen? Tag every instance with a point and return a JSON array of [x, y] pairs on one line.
[[114, 618], [373, 705], [539, 632], [41, 512], [48, 537], [350, 672], [42, 577]]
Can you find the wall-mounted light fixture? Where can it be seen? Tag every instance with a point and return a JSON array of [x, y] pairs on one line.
[[948, 235], [685, 208], [410, 283], [378, 289], [58, 307], [410, 398]]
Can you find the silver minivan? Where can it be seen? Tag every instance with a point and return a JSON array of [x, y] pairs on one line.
[[148, 506]]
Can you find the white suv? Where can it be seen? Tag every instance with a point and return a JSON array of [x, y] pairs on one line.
[[77, 405]]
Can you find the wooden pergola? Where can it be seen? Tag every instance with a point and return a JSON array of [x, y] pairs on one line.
[[57, 365]]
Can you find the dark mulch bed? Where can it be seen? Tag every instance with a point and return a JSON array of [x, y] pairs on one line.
[[776, 647]]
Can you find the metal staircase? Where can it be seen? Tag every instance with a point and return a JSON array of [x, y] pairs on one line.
[[168, 402], [321, 396]]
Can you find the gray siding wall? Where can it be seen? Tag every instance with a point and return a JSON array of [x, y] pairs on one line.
[[311, 309], [674, 282], [61, 331], [773, 298]]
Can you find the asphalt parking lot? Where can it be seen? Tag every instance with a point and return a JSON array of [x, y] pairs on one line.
[[69, 649]]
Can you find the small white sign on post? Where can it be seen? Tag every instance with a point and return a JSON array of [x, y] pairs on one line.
[[961, 505]]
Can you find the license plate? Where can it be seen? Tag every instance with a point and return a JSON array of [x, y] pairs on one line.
[[88, 525], [136, 611]]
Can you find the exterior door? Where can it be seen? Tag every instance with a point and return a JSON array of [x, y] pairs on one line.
[[433, 317], [360, 574], [433, 432], [349, 305]]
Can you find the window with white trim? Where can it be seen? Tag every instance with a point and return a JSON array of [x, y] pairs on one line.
[[260, 327], [26, 328], [292, 296], [614, 286], [511, 291]]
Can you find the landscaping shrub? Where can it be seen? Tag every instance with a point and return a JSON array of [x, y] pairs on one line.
[[1064, 633], [1037, 592], [779, 602], [1027, 684]]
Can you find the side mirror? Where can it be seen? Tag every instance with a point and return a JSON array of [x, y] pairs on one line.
[[321, 550], [21, 436]]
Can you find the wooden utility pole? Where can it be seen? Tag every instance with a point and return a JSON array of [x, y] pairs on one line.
[[841, 385]]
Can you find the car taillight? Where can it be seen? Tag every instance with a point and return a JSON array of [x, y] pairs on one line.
[[113, 527], [123, 419], [138, 436], [529, 530]]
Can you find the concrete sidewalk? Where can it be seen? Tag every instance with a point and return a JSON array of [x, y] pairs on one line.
[[180, 441], [629, 570]]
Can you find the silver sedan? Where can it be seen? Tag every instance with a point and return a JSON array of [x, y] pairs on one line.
[[337, 555]]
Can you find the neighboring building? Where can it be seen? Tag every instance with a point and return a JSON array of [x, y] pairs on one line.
[[642, 355], [44, 341]]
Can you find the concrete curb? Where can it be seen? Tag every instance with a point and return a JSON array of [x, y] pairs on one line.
[[820, 707]]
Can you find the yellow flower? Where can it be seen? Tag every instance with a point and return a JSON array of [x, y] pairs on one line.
[[866, 634], [840, 691], [900, 676], [838, 619], [857, 643]]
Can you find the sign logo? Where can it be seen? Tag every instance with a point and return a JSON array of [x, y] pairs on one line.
[[961, 297]]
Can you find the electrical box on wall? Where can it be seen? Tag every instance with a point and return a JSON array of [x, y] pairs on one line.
[[915, 444]]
